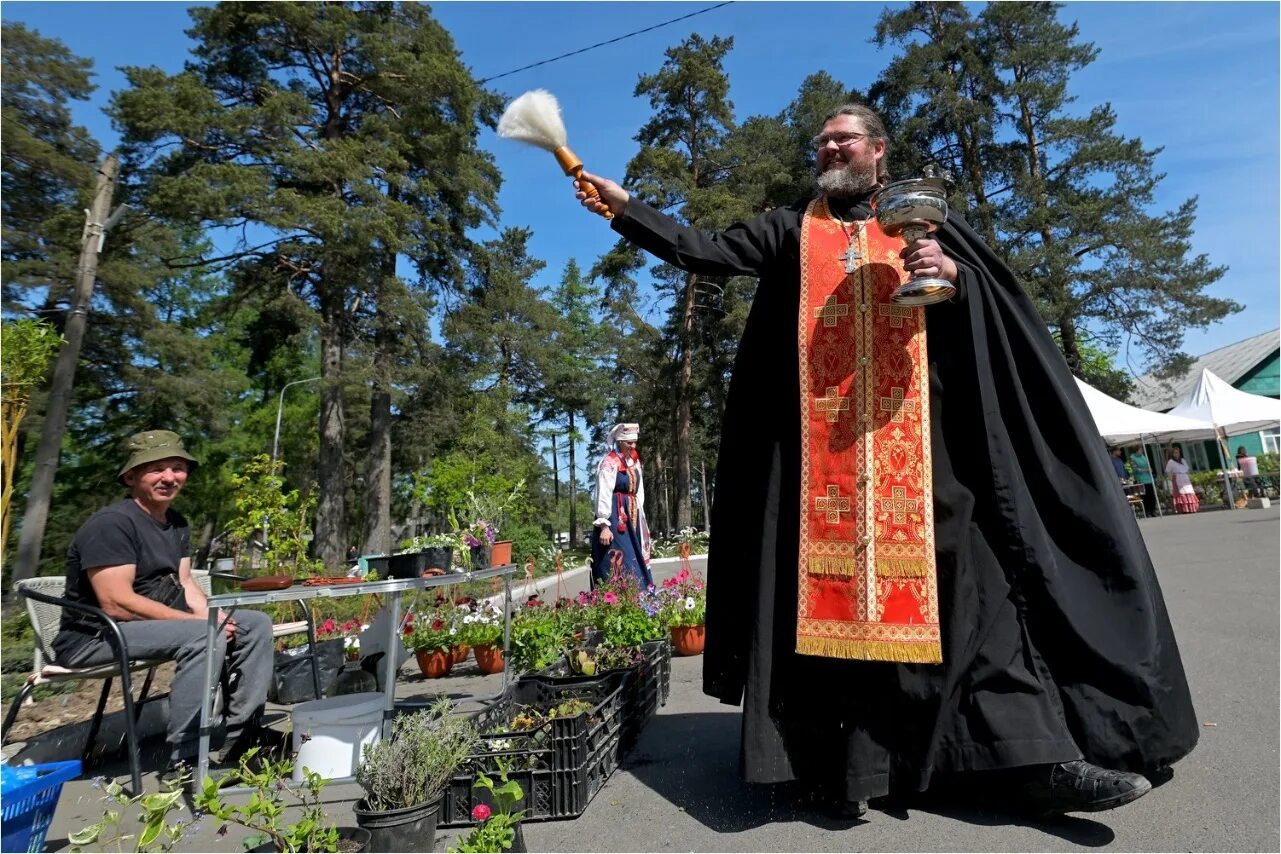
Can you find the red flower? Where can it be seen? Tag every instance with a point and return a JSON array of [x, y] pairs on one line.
[[480, 812], [437, 625]]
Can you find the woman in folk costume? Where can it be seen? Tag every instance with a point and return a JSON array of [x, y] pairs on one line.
[[621, 536], [1179, 482]]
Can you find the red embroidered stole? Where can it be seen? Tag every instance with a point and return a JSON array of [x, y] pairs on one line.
[[867, 585]]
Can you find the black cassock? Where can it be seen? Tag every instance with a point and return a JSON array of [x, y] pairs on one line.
[[1056, 640]]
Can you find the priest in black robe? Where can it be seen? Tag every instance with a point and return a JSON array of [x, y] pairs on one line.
[[1059, 670]]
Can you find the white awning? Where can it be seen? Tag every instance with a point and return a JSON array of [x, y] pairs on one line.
[[1119, 422], [1230, 409]]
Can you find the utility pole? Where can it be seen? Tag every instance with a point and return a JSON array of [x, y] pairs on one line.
[[97, 223]]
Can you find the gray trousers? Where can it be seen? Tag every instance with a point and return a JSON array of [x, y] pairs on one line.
[[248, 662]]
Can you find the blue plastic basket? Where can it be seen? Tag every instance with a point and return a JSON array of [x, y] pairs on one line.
[[30, 795]]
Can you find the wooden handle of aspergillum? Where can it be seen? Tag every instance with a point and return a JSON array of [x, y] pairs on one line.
[[569, 161]]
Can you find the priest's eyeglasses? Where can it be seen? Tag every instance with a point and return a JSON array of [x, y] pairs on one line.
[[841, 139]]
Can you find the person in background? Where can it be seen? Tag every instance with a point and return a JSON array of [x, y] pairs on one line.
[[1179, 482], [1249, 467], [1118, 463], [620, 534], [132, 559], [1143, 474]]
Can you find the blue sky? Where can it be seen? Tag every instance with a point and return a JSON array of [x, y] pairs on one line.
[[1198, 79]]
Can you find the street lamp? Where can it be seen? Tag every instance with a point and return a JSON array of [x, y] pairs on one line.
[[280, 410], [275, 443]]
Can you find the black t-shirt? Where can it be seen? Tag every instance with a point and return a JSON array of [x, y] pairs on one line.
[[123, 533]]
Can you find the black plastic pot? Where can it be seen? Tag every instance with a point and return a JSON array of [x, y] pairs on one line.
[[518, 844], [408, 829], [412, 564], [356, 834]]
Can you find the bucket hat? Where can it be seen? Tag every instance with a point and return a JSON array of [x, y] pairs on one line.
[[152, 445]]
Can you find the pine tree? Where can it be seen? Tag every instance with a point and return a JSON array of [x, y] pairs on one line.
[[1076, 227], [345, 132], [48, 166], [679, 166], [940, 96]]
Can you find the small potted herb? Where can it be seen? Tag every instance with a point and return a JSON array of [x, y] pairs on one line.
[[405, 776]]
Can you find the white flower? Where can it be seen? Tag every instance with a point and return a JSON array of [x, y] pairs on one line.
[[453, 630], [689, 603]]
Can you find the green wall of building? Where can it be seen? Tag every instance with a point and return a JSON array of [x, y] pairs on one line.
[[1264, 378]]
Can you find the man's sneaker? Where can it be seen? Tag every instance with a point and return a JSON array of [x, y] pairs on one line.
[[1078, 786]]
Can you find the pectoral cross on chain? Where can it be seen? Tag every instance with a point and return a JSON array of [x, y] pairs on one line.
[[850, 256]]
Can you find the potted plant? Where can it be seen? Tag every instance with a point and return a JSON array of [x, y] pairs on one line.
[[263, 813], [479, 538], [405, 776], [498, 827], [684, 611], [538, 633], [494, 509], [483, 629], [417, 555], [431, 636]]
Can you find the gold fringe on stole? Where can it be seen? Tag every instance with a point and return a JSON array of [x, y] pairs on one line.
[[832, 565], [899, 568], [916, 652]]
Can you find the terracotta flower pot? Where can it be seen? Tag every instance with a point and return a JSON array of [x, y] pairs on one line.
[[500, 553], [434, 663], [689, 640], [490, 658], [460, 653]]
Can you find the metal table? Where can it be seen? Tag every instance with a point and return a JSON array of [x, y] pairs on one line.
[[392, 588]]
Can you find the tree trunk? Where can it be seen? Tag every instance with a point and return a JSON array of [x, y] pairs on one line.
[[330, 508], [64, 377], [707, 501], [683, 406], [573, 487], [377, 533], [1068, 341]]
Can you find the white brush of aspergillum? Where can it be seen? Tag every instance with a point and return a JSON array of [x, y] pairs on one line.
[[534, 118]]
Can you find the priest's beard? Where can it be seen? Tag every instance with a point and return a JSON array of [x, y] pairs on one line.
[[853, 180]]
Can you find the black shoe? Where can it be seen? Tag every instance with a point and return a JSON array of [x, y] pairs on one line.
[[853, 809], [272, 744], [1078, 786], [176, 775]]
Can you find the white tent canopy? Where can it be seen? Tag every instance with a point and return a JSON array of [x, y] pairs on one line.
[[1231, 410], [1119, 422]]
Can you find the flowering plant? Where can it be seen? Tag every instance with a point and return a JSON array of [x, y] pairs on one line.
[[481, 624], [496, 825], [479, 533], [621, 611], [430, 631], [347, 631], [683, 600]]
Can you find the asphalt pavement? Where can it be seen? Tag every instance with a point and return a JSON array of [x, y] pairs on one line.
[[679, 789]]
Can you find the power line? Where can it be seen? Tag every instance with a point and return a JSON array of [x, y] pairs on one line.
[[602, 44]]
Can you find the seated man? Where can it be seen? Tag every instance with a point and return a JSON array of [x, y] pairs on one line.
[[133, 560]]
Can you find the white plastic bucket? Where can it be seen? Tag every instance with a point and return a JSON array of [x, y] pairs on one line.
[[337, 730]]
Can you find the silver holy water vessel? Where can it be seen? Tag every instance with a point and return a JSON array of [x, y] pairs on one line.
[[913, 209]]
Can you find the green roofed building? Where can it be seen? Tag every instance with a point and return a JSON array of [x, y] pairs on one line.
[[1252, 365]]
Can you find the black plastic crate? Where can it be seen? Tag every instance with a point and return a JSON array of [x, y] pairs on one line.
[[560, 765], [646, 688]]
